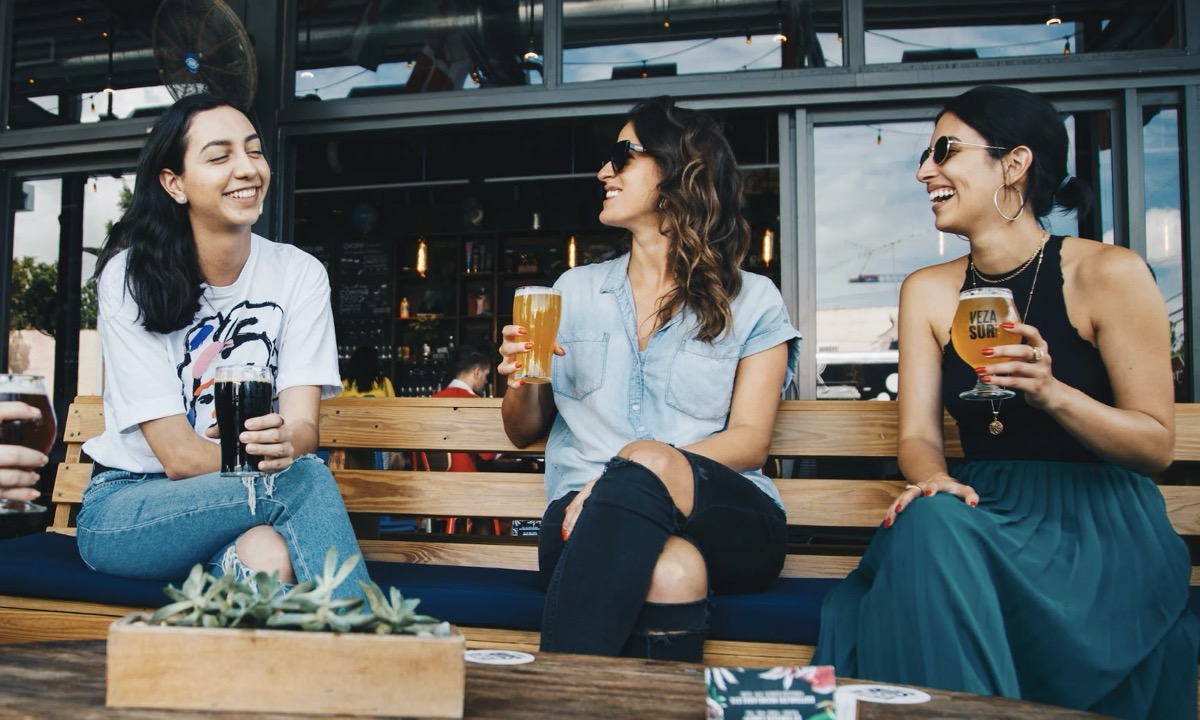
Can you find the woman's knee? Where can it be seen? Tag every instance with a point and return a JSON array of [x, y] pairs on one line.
[[263, 549], [680, 574], [666, 462]]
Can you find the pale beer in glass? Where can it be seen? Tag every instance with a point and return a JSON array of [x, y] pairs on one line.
[[978, 325], [537, 309], [36, 434]]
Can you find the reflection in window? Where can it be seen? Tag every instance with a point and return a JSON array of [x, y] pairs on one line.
[[63, 62], [606, 40], [1164, 240], [384, 47], [33, 286], [908, 32]]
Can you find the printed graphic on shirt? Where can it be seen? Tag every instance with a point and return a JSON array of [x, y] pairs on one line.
[[247, 335]]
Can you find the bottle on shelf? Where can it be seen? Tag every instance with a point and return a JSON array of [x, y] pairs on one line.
[[403, 307]]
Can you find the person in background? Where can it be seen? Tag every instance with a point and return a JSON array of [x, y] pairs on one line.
[[1044, 567], [185, 286], [19, 464], [364, 377], [671, 364], [471, 370]]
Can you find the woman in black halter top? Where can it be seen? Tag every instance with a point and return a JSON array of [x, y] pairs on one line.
[[1045, 566]]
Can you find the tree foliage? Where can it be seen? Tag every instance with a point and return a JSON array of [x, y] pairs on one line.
[[33, 298]]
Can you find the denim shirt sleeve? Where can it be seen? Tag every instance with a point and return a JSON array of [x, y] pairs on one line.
[[765, 314]]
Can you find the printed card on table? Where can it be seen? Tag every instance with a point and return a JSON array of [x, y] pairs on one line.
[[778, 693]]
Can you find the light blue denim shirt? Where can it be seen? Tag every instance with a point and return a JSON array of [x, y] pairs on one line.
[[678, 390]]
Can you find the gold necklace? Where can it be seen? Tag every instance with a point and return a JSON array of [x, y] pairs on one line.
[[995, 427], [1022, 268]]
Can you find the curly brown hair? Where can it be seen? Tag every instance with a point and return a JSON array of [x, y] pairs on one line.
[[700, 197]]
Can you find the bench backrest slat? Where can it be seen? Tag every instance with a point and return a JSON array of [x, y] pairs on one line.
[[829, 429]]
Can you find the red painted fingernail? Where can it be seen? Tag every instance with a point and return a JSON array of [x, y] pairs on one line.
[[988, 352], [981, 371], [516, 364], [928, 493], [887, 522], [564, 534], [986, 378], [520, 331], [528, 346], [898, 508], [1008, 325], [972, 503]]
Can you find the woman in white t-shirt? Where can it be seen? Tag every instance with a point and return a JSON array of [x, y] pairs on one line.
[[184, 287]]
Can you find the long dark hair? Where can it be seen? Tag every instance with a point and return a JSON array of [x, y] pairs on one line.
[[700, 196], [162, 271], [1008, 117]]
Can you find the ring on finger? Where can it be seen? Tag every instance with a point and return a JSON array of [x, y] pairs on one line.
[[910, 486], [1038, 354]]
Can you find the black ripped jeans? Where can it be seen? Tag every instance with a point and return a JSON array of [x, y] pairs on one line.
[[596, 584]]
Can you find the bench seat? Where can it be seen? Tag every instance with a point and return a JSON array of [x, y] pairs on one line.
[[48, 566]]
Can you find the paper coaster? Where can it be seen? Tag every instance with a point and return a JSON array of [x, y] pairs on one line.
[[888, 694], [498, 657]]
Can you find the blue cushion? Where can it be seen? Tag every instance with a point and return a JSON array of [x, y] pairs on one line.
[[47, 565]]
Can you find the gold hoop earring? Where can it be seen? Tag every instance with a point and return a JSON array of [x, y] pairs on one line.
[[996, 202]]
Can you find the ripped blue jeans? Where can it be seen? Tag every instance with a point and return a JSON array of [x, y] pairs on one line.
[[148, 526]]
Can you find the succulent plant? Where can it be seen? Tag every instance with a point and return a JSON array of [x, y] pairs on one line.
[[265, 602]]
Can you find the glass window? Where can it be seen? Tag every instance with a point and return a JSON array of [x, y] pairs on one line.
[[605, 40], [63, 62], [1164, 237], [902, 32], [33, 291], [862, 257], [389, 47]]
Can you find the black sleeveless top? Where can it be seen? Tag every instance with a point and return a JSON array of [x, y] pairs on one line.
[[1029, 434]]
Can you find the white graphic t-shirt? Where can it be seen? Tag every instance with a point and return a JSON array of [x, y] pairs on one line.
[[277, 314]]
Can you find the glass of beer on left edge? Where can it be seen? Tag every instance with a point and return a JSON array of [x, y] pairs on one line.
[[36, 434], [242, 392], [978, 324]]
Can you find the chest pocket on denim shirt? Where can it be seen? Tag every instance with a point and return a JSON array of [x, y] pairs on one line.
[[581, 372], [701, 381]]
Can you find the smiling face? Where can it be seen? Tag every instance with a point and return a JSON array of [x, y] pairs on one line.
[[225, 174], [962, 186], [631, 196]]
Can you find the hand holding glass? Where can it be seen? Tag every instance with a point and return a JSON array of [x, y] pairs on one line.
[[537, 309], [978, 325], [35, 434], [242, 392]]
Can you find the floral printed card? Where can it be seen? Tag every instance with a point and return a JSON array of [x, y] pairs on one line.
[[779, 693]]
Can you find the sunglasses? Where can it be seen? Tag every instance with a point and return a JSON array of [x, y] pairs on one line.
[[621, 153], [941, 149]]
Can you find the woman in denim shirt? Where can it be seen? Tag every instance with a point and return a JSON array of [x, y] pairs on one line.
[[661, 405]]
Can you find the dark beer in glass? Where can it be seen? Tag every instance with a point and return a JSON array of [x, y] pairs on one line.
[[37, 434], [242, 392]]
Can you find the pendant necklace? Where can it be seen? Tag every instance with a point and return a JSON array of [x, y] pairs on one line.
[[995, 427]]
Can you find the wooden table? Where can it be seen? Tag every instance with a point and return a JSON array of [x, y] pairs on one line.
[[66, 680]]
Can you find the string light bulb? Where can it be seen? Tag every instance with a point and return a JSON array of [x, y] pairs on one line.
[[1067, 47], [422, 257], [95, 188], [749, 40], [667, 16], [768, 247], [571, 252], [878, 137], [779, 36], [1054, 19], [307, 74]]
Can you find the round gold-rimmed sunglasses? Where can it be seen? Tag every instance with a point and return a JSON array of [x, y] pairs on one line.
[[941, 149]]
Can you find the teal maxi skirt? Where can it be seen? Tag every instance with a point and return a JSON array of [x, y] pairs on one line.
[[1067, 585]]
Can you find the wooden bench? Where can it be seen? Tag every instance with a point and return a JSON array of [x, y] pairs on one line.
[[816, 506]]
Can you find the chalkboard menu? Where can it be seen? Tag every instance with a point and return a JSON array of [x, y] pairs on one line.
[[365, 259], [363, 299]]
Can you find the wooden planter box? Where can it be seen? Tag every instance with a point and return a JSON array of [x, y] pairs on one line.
[[284, 671]]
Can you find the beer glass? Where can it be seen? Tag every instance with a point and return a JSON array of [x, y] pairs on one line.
[[36, 434], [242, 392], [537, 309], [977, 325]]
